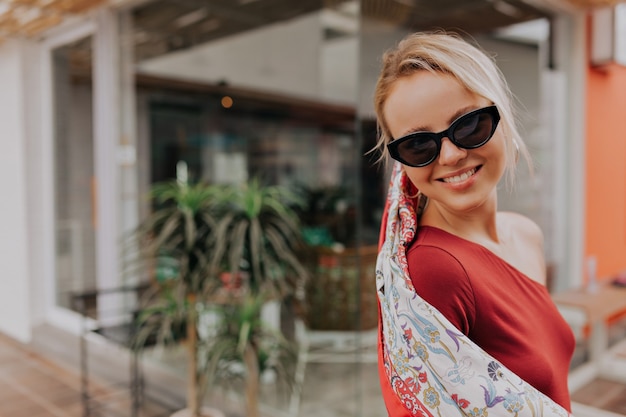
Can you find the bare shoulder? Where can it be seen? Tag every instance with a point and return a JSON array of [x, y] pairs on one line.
[[522, 227], [523, 245]]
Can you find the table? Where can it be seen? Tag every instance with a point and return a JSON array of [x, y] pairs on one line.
[[601, 306]]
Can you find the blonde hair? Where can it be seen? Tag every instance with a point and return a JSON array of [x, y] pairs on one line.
[[448, 53]]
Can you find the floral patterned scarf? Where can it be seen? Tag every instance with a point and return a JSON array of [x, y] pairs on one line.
[[427, 366]]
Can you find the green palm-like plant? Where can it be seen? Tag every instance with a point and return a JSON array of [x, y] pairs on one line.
[[258, 234], [241, 337], [196, 234], [180, 233]]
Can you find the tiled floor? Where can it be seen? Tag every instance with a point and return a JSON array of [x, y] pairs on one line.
[[603, 394], [335, 385], [33, 386]]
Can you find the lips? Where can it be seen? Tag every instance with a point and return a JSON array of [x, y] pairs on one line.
[[453, 179]]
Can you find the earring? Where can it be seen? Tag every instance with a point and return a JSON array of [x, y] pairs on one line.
[[417, 194], [422, 200]]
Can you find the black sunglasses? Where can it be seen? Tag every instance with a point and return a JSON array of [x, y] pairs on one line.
[[470, 131]]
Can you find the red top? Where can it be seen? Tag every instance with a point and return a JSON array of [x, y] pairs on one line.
[[506, 313]]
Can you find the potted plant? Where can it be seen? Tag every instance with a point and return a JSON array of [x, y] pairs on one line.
[[240, 348], [227, 249], [257, 238], [175, 241]]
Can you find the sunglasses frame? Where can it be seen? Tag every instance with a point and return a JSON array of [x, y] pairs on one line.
[[393, 146]]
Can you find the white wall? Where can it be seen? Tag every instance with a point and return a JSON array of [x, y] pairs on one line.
[[377, 37], [15, 315], [259, 59], [339, 70], [306, 66]]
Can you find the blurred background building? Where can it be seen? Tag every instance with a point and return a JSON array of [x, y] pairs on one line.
[[100, 99]]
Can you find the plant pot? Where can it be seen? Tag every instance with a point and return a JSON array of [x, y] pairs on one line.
[[341, 293], [204, 412]]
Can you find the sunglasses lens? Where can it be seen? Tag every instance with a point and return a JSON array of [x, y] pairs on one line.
[[474, 130], [419, 150], [468, 132]]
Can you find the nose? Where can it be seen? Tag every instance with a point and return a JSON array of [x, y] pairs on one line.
[[450, 154]]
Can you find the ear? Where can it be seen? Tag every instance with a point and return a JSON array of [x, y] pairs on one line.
[[412, 190]]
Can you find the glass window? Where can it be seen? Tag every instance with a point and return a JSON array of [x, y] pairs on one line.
[[74, 170], [269, 89], [282, 90]]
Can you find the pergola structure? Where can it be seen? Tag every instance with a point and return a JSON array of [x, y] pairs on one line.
[[29, 18]]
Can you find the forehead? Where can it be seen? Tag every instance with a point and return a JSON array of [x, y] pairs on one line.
[[427, 101]]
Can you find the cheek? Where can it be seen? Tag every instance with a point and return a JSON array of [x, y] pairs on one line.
[[496, 161], [418, 176], [498, 150]]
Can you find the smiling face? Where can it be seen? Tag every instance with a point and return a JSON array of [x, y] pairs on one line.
[[459, 181]]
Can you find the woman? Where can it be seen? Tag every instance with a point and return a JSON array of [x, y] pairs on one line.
[[467, 326]]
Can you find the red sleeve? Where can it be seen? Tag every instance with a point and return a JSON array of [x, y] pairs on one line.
[[440, 279]]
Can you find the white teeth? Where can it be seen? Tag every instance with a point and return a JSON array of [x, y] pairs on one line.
[[459, 178]]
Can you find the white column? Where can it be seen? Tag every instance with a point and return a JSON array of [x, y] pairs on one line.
[[107, 136], [38, 234], [14, 280], [127, 151], [554, 116], [574, 36]]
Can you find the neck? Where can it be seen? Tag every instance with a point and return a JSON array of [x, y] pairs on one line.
[[478, 224]]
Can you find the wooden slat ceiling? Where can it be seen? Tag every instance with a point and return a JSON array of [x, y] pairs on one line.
[[471, 16], [29, 18], [163, 26]]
